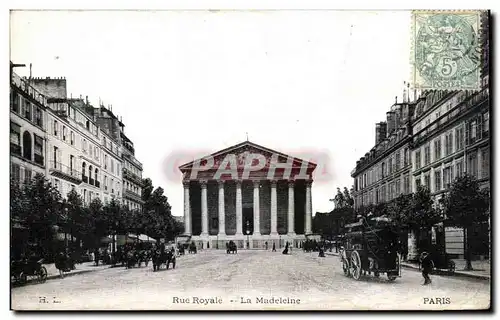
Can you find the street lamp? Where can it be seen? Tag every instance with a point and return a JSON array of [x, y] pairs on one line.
[[248, 234]]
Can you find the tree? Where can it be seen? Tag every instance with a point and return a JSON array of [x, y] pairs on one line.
[[98, 222], [41, 209], [77, 220], [349, 200], [466, 206]]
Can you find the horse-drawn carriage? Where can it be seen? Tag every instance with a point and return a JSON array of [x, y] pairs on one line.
[[231, 247], [162, 256], [371, 246], [21, 269]]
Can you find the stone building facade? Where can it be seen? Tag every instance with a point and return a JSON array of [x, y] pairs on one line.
[[70, 142], [263, 196]]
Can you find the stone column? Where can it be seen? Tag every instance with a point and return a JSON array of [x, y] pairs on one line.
[[239, 210], [308, 225], [256, 208], [187, 209], [222, 213], [291, 209], [204, 209], [274, 208]]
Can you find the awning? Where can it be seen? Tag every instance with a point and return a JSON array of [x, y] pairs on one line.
[[146, 238]]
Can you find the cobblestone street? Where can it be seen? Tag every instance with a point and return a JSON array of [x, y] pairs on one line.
[[319, 283]]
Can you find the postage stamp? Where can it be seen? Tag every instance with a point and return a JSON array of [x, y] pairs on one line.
[[446, 52]]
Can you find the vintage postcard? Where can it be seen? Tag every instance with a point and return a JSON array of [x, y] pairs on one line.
[[250, 160]]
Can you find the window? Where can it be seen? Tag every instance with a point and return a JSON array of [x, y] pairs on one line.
[[55, 156], [406, 159], [472, 165], [427, 181], [398, 160], [27, 175], [15, 138], [113, 167], [14, 101], [459, 168], [72, 137], [406, 184], [57, 184], [459, 138], [486, 123], [437, 149], [437, 180], [104, 142], [71, 164], [105, 183], [27, 109], [64, 133], [27, 145], [418, 162], [38, 150], [485, 163], [15, 172], [56, 128], [473, 129], [398, 188], [84, 144], [90, 150], [38, 116], [438, 114], [383, 169], [448, 140], [447, 177], [96, 153], [389, 166], [427, 154], [87, 125], [106, 161], [112, 185]]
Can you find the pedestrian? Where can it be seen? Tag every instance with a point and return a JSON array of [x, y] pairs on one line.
[[274, 246], [61, 263], [427, 266], [96, 255], [267, 246]]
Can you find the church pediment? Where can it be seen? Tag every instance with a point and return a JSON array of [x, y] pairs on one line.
[[248, 157]]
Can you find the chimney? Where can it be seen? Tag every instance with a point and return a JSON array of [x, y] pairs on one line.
[[86, 99], [405, 93], [391, 122], [380, 132]]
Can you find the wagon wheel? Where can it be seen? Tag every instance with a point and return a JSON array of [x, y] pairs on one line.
[[345, 266], [23, 278], [42, 274], [355, 265]]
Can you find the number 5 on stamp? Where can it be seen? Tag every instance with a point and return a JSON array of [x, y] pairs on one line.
[[446, 51]]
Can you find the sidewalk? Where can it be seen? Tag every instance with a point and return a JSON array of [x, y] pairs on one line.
[[85, 267], [482, 269]]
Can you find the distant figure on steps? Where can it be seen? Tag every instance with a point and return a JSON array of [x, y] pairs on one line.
[[286, 248]]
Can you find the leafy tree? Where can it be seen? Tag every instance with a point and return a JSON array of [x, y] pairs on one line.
[[41, 209], [466, 206], [98, 222], [77, 219], [349, 200]]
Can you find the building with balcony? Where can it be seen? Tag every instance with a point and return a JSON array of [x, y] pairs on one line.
[[132, 175], [28, 141], [384, 172]]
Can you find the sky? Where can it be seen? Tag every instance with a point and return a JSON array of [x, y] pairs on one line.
[[194, 82]]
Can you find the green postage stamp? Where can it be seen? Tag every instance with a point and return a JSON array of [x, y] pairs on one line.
[[446, 51]]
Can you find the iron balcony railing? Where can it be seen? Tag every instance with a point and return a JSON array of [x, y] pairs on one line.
[[58, 167]]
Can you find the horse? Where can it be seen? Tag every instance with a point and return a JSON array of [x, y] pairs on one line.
[[160, 257], [231, 247]]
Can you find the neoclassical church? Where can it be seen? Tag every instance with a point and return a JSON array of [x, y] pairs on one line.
[[249, 194]]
